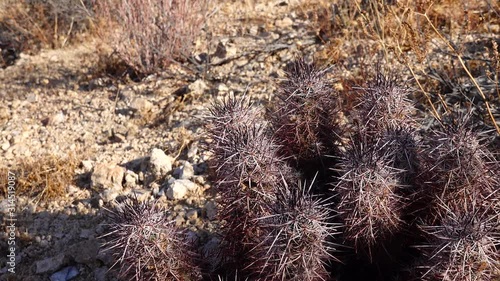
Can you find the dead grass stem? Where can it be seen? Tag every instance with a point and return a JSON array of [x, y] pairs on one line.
[[42, 178]]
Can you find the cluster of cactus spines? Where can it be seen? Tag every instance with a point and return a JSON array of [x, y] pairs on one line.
[[379, 164], [384, 104], [370, 201], [305, 112], [232, 113], [463, 225], [396, 186], [148, 246], [464, 246], [463, 166], [294, 239], [252, 176]]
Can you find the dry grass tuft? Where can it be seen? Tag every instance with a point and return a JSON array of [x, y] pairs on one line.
[[44, 177], [30, 25], [416, 37]]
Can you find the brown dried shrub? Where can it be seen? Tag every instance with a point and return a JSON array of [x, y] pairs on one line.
[[150, 35]]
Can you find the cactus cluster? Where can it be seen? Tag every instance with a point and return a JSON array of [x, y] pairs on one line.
[[397, 196], [302, 196], [274, 228]]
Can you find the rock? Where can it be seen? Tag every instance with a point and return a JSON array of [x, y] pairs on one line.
[[187, 171], [222, 88], [106, 176], [65, 274], [284, 23], [159, 163], [109, 195], [87, 233], [199, 180], [87, 166], [84, 252], [176, 191], [71, 189], [100, 273], [192, 215], [198, 87], [155, 189], [179, 220], [141, 105], [210, 210], [106, 257], [241, 62], [32, 97], [193, 150], [6, 207], [131, 179], [54, 119], [4, 114], [5, 145], [44, 243], [220, 51], [51, 264], [211, 253], [254, 29]]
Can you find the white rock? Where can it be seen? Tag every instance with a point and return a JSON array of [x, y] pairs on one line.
[[5, 146], [222, 88], [198, 87], [176, 192], [179, 188], [141, 105], [284, 23], [57, 118], [159, 163], [155, 188], [193, 150], [187, 171], [131, 179]]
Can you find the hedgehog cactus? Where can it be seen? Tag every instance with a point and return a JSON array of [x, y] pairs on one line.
[[464, 246], [369, 199], [384, 105], [272, 231], [147, 246], [394, 186], [379, 166], [463, 167], [293, 242], [305, 113], [462, 227]]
